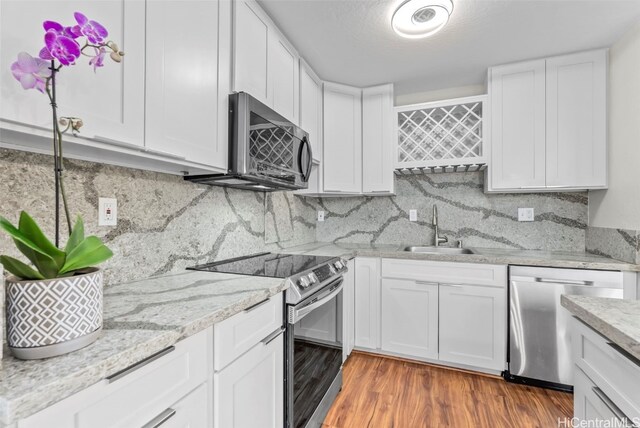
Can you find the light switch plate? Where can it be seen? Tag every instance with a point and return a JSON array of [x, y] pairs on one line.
[[320, 215], [107, 212], [525, 214], [413, 215]]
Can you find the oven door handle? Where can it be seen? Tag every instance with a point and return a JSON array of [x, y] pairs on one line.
[[297, 314]]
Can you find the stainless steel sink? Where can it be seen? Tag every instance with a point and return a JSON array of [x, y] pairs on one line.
[[438, 250]]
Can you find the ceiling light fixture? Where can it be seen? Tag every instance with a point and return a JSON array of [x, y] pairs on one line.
[[416, 19]]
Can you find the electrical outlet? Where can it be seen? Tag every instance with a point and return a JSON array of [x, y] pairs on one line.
[[525, 214], [107, 212], [320, 215], [413, 215]]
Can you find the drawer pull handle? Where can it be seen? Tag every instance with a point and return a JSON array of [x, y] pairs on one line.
[[252, 307], [611, 405], [122, 373], [625, 353], [267, 340], [160, 419]]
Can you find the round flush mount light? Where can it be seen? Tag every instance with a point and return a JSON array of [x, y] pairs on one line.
[[416, 19]]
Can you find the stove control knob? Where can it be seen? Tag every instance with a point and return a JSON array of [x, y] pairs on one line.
[[312, 278], [338, 265], [303, 282]]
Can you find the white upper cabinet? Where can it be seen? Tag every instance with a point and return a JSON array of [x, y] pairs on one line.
[[342, 160], [577, 120], [311, 108], [517, 94], [284, 70], [549, 124], [265, 64], [377, 139], [182, 81], [251, 50], [109, 101]]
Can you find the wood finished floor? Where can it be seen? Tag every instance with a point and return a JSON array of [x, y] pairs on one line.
[[380, 392]]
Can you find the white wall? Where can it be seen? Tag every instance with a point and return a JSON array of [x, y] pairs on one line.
[[441, 94], [619, 206]]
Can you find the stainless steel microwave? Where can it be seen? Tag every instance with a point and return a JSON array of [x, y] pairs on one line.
[[266, 151]]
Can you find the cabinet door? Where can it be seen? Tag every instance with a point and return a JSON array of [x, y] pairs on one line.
[[311, 108], [110, 101], [342, 160], [367, 303], [410, 318], [182, 81], [250, 392], [284, 69], [577, 120], [348, 305], [473, 325], [251, 50], [377, 139], [518, 126]]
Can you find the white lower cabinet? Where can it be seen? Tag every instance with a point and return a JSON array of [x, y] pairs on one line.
[[367, 303], [589, 404], [473, 325], [410, 318], [144, 392], [249, 392], [453, 313], [348, 303], [190, 412]]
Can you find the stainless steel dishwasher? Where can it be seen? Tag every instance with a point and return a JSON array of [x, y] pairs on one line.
[[539, 336]]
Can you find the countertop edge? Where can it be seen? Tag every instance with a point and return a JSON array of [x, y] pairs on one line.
[[601, 326]]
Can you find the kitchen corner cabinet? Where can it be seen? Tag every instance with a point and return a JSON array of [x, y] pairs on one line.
[[473, 325], [548, 124], [367, 303], [342, 160], [377, 140], [184, 101], [409, 318], [109, 101], [265, 64]]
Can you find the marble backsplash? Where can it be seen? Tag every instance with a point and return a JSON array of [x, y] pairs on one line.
[[164, 223], [465, 212], [620, 244]]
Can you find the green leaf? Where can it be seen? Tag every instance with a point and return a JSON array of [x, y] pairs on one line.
[[90, 252], [31, 230], [19, 269], [77, 236], [43, 261]]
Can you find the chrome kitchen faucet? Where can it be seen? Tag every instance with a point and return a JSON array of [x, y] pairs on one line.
[[437, 238]]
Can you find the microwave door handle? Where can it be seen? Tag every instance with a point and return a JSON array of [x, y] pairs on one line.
[[309, 160], [300, 169]]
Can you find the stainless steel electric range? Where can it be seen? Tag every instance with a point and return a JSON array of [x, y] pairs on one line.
[[314, 339]]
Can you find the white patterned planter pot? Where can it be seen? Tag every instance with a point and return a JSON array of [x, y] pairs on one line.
[[52, 317]]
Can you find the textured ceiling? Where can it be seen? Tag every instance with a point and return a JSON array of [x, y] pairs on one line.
[[351, 41]]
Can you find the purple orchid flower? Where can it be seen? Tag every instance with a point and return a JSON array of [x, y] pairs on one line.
[[73, 32], [98, 59], [94, 31], [30, 72], [63, 48]]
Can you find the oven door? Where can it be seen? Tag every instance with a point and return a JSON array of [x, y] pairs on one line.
[[314, 360]]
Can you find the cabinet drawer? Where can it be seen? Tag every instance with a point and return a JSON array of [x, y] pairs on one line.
[[190, 411], [138, 396], [444, 272], [590, 403], [236, 335], [615, 374]]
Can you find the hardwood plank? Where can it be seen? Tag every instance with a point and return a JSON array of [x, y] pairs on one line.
[[383, 392]]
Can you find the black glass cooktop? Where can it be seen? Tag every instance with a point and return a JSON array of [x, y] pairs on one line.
[[266, 264]]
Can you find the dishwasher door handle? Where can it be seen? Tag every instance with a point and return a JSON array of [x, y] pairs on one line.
[[564, 281]]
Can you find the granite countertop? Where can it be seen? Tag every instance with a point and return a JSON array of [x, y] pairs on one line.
[[559, 259], [140, 319], [616, 319]]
